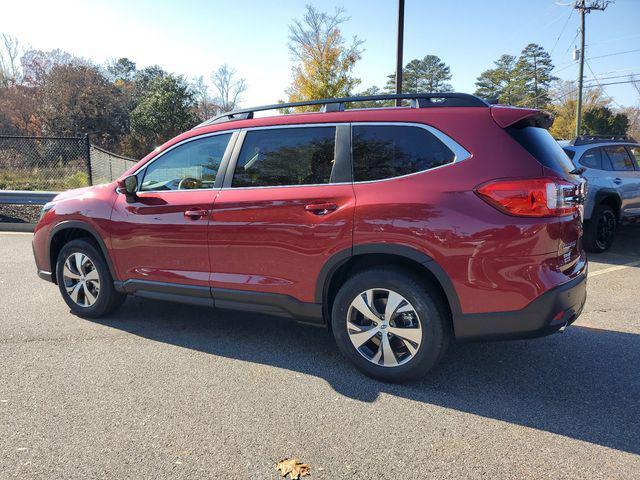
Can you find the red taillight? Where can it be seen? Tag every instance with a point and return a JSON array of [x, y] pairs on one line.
[[531, 197]]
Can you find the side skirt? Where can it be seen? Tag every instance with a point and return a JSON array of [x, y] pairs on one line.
[[226, 299]]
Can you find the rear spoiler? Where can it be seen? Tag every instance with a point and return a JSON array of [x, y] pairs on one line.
[[506, 116]]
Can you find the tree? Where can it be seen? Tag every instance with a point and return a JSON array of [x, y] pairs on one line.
[[602, 121], [122, 69], [37, 64], [205, 105], [323, 62], [500, 82], [533, 75], [19, 111], [10, 52], [228, 87], [144, 78], [78, 99], [163, 112], [565, 95], [429, 74]]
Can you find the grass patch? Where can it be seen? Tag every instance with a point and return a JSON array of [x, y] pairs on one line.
[[53, 179]]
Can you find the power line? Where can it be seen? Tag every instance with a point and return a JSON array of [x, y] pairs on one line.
[[616, 53], [600, 85], [562, 31]]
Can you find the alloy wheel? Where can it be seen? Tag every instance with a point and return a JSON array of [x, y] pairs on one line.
[[605, 229], [81, 279], [384, 327]]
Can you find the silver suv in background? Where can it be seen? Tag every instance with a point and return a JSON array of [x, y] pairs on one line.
[[611, 166]]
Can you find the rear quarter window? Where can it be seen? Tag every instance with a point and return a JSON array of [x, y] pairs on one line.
[[592, 158], [540, 144], [387, 151]]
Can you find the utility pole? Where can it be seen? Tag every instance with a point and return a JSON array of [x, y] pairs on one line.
[[399, 46], [584, 7]]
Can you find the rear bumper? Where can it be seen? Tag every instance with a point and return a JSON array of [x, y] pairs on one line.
[[547, 314]]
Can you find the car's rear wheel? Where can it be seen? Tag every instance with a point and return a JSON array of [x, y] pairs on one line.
[[600, 230], [84, 280], [389, 324]]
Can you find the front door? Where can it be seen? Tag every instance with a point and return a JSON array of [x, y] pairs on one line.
[[162, 236], [286, 207]]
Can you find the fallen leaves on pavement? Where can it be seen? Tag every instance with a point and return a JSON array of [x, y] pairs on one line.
[[293, 467]]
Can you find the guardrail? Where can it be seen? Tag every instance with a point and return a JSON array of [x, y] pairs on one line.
[[23, 197]]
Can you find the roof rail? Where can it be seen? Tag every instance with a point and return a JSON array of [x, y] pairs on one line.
[[588, 139], [418, 100]]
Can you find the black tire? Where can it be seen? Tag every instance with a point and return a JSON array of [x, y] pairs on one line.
[[107, 299], [426, 302], [600, 230]]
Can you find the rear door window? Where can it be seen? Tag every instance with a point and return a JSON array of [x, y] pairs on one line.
[[635, 151], [285, 156], [592, 158], [387, 151], [539, 143], [619, 157]]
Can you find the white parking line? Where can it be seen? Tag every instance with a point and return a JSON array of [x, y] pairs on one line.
[[614, 268], [16, 233]]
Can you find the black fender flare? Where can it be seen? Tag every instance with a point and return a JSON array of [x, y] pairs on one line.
[[80, 225], [605, 193], [340, 258]]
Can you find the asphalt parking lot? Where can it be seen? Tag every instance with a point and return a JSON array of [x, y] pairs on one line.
[[162, 390]]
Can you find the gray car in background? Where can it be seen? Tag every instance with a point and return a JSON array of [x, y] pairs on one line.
[[611, 166]]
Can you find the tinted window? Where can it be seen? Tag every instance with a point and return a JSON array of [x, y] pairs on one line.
[[620, 159], [191, 165], [286, 156], [539, 143], [386, 151], [592, 158], [570, 153], [635, 151]]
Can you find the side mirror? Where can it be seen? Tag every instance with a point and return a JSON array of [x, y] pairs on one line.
[[129, 186]]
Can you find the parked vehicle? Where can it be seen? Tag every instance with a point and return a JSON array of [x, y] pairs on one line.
[[611, 166], [400, 229]]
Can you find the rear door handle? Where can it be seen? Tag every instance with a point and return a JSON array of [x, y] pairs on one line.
[[617, 181], [196, 214], [320, 208]]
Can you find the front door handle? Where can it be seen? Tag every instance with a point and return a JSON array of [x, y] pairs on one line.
[[320, 208], [196, 214], [617, 181]]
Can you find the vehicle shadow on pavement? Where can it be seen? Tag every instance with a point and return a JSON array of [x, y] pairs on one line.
[[625, 248], [583, 384]]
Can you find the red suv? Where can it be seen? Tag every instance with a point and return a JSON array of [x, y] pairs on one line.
[[398, 228]]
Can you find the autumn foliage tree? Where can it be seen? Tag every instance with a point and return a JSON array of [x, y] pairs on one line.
[[323, 59]]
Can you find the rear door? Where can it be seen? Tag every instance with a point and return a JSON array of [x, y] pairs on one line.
[[624, 178], [634, 150], [286, 207]]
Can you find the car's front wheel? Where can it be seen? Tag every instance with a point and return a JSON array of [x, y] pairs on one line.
[[85, 281], [389, 324]]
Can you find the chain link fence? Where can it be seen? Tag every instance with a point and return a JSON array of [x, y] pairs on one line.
[[107, 166], [56, 163]]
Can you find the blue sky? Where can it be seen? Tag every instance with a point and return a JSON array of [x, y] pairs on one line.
[[193, 37]]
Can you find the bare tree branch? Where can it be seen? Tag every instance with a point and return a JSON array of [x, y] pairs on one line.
[[229, 88]]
